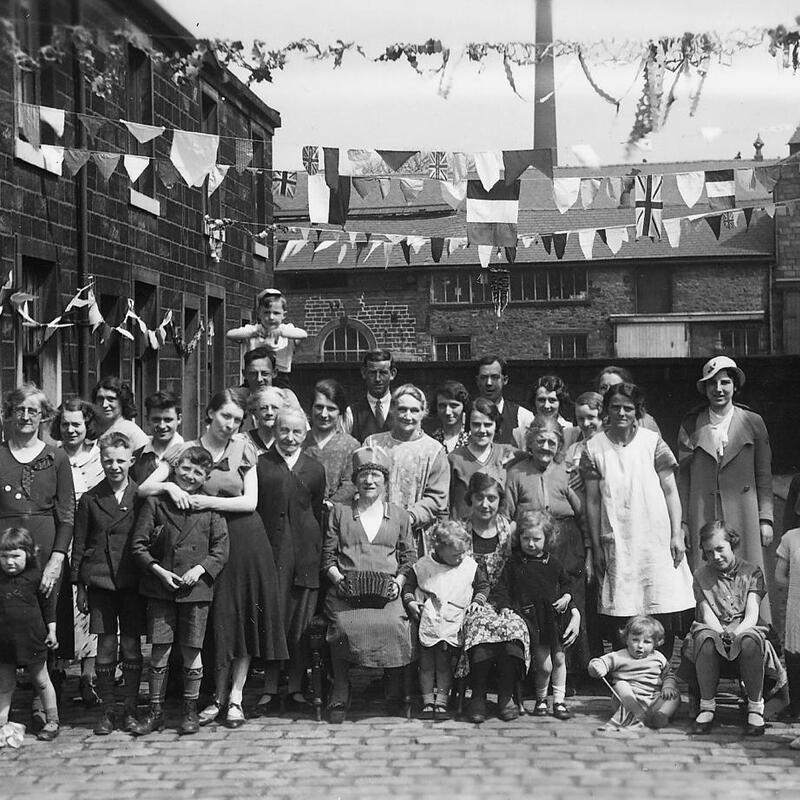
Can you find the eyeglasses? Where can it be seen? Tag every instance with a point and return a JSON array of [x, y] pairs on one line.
[[22, 412]]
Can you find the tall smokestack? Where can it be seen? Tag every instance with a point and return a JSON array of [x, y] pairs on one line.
[[544, 113]]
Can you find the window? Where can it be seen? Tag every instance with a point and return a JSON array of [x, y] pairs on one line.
[[209, 123], [140, 109], [653, 290], [261, 188], [567, 345], [457, 287], [740, 341], [38, 281], [344, 343], [527, 285], [34, 87], [452, 348], [549, 284]]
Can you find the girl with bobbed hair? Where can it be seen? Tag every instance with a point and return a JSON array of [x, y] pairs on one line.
[[420, 476], [550, 398], [115, 408], [451, 404]]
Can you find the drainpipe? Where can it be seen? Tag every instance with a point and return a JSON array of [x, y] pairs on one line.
[[81, 214]]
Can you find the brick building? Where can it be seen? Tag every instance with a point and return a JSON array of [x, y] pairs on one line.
[[650, 300], [141, 241]]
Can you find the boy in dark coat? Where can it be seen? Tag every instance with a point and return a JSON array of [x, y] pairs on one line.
[[108, 580], [180, 553]]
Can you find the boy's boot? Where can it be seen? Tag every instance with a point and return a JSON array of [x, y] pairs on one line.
[[190, 722], [153, 720], [131, 678], [105, 691]]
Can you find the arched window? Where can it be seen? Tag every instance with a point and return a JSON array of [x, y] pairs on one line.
[[345, 343]]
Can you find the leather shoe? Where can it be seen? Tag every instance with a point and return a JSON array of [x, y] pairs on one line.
[[48, 733], [190, 722], [153, 721], [477, 710], [105, 725], [754, 730], [560, 711], [235, 716], [508, 710], [701, 728]]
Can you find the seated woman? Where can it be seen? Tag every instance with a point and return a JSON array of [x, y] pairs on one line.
[[728, 591], [368, 535]]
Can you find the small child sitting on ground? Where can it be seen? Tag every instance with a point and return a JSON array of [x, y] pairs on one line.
[[645, 689], [437, 593], [272, 332]]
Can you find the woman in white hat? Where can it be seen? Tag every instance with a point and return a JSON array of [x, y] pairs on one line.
[[725, 473]]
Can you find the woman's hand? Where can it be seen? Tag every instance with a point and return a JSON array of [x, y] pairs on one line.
[[51, 573], [200, 502], [562, 603], [178, 496], [50, 641], [573, 629], [677, 548], [414, 610], [394, 590], [766, 534], [82, 599]]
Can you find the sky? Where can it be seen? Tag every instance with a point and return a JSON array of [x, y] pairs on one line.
[[388, 106]]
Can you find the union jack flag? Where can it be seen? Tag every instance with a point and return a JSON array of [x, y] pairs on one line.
[[649, 205], [284, 183], [311, 160], [438, 166]]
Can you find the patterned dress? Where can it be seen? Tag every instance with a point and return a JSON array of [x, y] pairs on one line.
[[337, 459], [484, 625], [463, 464]]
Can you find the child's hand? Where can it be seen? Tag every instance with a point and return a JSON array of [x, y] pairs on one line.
[[200, 502], [191, 576], [51, 642], [394, 591], [596, 668], [172, 581], [473, 606], [562, 603], [573, 629], [178, 496], [414, 610], [670, 693], [82, 599]]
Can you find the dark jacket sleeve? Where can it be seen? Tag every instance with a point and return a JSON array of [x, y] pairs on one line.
[[218, 545], [330, 540], [406, 549], [140, 541], [410, 587], [64, 510], [791, 519], [79, 539]]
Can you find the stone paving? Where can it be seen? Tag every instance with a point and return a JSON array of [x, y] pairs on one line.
[[373, 755]]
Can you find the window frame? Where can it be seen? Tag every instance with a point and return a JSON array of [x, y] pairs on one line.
[[577, 337], [344, 327], [448, 341]]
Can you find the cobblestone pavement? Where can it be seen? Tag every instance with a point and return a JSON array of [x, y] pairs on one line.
[[377, 756]]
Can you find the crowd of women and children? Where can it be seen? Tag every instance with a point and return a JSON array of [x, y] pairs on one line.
[[501, 544]]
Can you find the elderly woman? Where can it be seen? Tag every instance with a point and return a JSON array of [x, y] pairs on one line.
[[451, 407], [73, 425], [540, 482], [291, 490], [420, 475], [479, 453], [328, 443], [725, 473], [36, 493], [115, 409], [264, 403], [728, 591], [367, 535], [634, 518]]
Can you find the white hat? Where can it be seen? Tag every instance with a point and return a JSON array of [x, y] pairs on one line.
[[715, 365]]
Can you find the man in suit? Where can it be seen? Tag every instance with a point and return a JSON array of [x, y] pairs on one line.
[[370, 414], [259, 370], [291, 488], [108, 579], [491, 378]]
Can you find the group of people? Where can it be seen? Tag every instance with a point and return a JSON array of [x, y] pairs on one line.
[[461, 540]]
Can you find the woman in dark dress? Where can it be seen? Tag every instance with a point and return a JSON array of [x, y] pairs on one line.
[[246, 610], [36, 493]]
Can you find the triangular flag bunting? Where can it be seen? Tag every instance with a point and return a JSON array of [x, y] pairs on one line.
[[589, 189], [560, 243], [53, 118], [485, 254], [106, 163], [75, 159], [547, 242], [511, 254], [244, 154], [437, 247], [363, 186], [92, 125], [672, 227], [454, 194], [406, 248], [565, 193], [385, 185], [143, 133], [372, 248], [488, 166], [615, 237], [411, 188], [690, 185], [395, 158], [216, 176], [167, 173], [135, 166], [586, 241], [714, 222], [748, 214]]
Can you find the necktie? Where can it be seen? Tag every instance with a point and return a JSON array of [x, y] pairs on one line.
[[379, 418]]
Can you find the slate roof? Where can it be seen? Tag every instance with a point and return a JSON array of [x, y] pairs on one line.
[[429, 216]]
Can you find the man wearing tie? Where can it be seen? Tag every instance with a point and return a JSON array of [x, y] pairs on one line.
[[371, 414], [491, 379]]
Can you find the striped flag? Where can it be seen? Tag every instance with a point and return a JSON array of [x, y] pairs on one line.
[[649, 205], [721, 189], [492, 215], [326, 205]]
